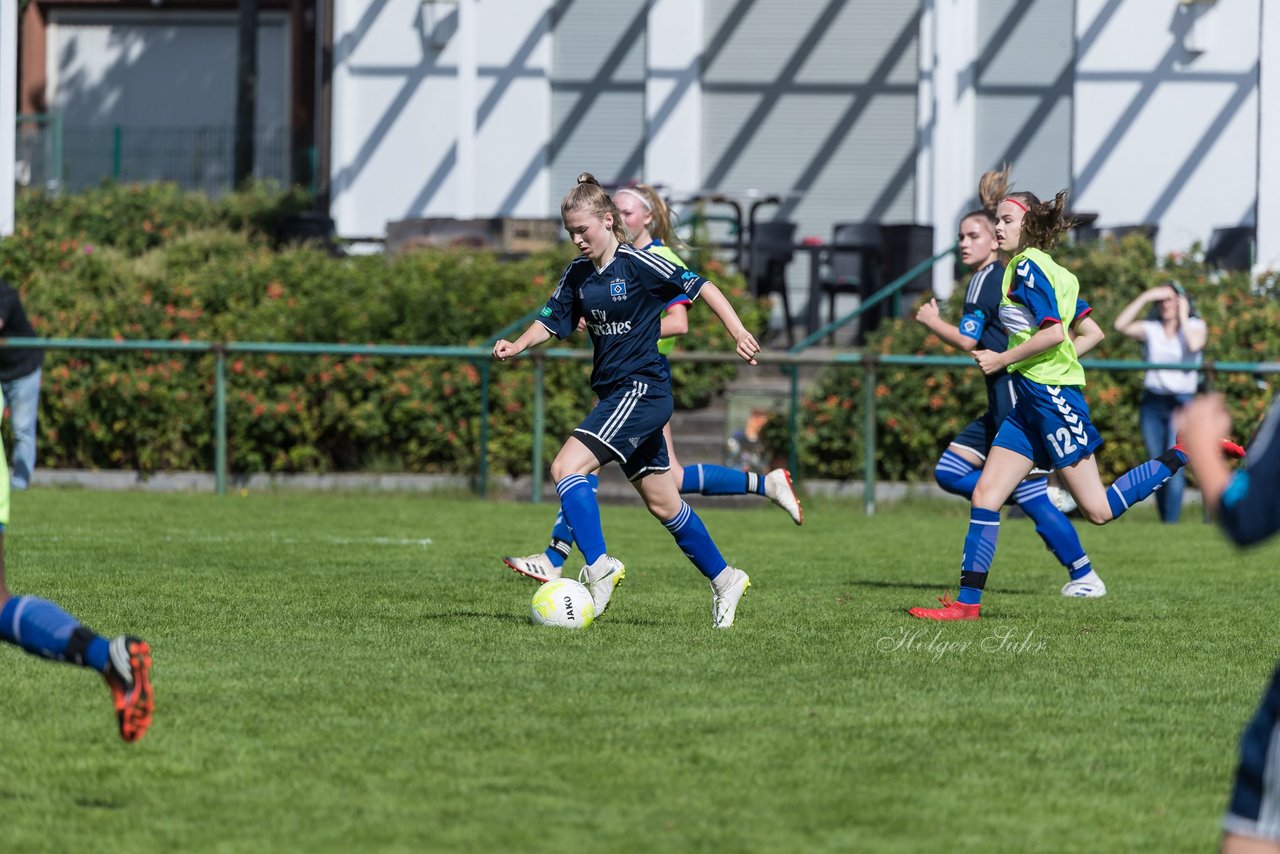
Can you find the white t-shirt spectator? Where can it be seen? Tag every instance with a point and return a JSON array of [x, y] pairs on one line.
[[1161, 348]]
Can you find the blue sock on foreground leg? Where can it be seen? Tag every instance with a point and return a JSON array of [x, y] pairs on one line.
[[706, 479], [42, 628], [1138, 483], [1053, 527], [692, 538], [979, 550], [562, 535], [582, 512]]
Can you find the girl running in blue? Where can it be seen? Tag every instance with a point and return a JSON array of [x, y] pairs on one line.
[[647, 219], [1049, 427], [961, 463], [621, 293]]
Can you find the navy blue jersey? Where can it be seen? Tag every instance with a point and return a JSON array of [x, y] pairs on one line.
[[623, 305], [983, 296], [1250, 512]]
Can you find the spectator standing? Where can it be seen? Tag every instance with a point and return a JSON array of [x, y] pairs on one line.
[[20, 372], [1171, 333]]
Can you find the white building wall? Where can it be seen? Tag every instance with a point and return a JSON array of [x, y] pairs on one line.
[[673, 96], [1166, 115], [397, 115], [1164, 124]]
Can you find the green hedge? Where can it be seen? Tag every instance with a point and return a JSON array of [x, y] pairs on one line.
[[919, 410], [152, 262]]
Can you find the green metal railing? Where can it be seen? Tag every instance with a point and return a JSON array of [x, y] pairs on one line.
[[481, 356], [890, 291]]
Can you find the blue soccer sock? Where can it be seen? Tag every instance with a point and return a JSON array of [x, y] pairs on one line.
[[562, 535], [706, 479], [1054, 528], [979, 551], [692, 538], [582, 512], [955, 474], [1138, 483], [42, 628]]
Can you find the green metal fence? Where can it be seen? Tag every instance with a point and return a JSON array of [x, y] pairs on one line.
[[61, 158], [481, 357]]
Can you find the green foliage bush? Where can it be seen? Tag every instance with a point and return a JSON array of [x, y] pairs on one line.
[[155, 263], [919, 410]]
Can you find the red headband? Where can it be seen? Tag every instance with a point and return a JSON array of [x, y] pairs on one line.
[[1012, 200]]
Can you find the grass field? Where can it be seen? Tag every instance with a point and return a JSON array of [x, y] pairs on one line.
[[359, 673]]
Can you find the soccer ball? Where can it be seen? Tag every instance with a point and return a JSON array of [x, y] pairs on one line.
[[563, 603], [1061, 498]]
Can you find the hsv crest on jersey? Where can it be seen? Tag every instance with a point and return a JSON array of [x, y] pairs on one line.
[[618, 289], [970, 327]]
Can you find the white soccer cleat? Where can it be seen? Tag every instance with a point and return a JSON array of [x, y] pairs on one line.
[[1061, 498], [1086, 587], [601, 578], [538, 567], [725, 605], [778, 489]]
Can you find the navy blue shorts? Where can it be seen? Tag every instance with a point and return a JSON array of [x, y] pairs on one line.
[[1049, 425], [627, 426], [979, 433], [1255, 801]]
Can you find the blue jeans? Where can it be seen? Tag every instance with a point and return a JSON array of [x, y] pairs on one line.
[[1155, 417], [23, 398]]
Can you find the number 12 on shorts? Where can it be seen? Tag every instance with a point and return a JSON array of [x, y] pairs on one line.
[[1062, 442]]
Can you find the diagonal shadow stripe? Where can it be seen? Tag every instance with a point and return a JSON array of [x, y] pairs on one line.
[[829, 146], [1056, 92], [546, 153], [1061, 87], [378, 133], [715, 45], [441, 173], [1198, 153], [347, 45], [773, 94]]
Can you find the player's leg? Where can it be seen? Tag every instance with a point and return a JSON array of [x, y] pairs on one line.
[[1101, 504], [578, 500], [43, 629], [1011, 459], [647, 470], [547, 565], [708, 479], [1060, 538], [728, 583], [1252, 822], [958, 469]]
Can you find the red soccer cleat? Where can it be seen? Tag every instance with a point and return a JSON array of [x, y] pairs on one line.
[[950, 610], [1229, 449]]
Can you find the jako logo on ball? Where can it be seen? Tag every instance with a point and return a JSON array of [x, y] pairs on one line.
[[563, 603]]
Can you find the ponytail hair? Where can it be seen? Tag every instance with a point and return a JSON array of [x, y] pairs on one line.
[[587, 195], [660, 228], [1044, 222], [993, 188]]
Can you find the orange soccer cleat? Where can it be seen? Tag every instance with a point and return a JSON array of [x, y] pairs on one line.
[[129, 676]]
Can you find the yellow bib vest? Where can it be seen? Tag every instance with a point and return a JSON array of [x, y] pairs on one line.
[[1059, 365], [667, 345]]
